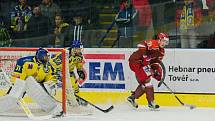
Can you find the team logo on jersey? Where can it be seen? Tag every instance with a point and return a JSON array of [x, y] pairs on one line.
[[30, 66], [78, 59]]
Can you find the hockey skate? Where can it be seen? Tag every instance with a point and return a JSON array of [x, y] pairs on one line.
[[57, 111], [153, 106], [57, 115], [131, 100]]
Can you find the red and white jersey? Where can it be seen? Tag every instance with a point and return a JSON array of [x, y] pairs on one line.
[[148, 52]]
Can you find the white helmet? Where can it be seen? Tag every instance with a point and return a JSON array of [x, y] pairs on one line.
[[163, 37]]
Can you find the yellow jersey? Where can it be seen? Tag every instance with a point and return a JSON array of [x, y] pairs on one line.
[[28, 66], [75, 61]]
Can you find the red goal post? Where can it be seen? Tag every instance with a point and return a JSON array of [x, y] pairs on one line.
[[8, 57]]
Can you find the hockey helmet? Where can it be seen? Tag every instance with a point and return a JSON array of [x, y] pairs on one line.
[[163, 37], [76, 47], [42, 55]]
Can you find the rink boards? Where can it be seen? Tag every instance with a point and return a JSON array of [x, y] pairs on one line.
[[189, 73]]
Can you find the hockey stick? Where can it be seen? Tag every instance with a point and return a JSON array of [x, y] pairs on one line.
[[103, 110], [164, 74], [183, 104], [23, 105], [162, 82]]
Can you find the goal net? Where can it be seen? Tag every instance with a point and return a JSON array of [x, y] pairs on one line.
[[8, 57]]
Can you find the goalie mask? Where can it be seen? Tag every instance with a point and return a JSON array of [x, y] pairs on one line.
[[42, 55]]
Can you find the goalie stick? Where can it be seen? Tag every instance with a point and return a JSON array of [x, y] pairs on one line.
[[103, 110], [30, 114], [183, 104], [23, 105]]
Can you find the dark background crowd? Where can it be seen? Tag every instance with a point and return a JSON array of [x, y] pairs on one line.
[[106, 23]]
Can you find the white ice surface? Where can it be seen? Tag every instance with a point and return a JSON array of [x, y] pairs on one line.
[[126, 113]]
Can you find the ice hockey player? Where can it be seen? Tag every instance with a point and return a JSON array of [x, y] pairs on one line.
[[29, 75], [145, 63], [76, 60]]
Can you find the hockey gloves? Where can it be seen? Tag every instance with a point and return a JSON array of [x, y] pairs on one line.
[[81, 74]]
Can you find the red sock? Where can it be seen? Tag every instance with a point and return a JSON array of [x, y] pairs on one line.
[[150, 93], [138, 92]]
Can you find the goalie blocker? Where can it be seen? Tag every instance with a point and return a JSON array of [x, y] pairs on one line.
[[34, 90]]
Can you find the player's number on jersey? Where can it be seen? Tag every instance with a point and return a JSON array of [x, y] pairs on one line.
[[18, 68]]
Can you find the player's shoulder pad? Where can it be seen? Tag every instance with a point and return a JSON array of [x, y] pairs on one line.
[[142, 44], [81, 55], [152, 44], [23, 60]]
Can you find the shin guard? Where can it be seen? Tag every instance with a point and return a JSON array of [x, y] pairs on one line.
[[39, 95]]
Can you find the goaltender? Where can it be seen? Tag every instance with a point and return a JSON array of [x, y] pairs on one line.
[[29, 75]]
